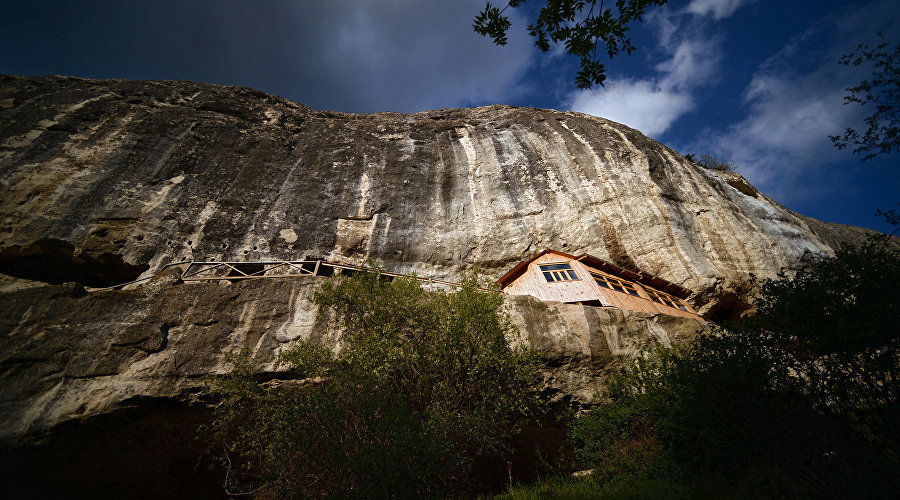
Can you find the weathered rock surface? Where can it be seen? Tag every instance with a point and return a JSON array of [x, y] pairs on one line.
[[105, 180], [70, 355]]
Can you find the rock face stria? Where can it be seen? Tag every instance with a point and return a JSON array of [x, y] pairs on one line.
[[70, 355], [105, 180]]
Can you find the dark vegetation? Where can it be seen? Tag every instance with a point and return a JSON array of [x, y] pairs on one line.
[[711, 162], [426, 398], [880, 94], [582, 26]]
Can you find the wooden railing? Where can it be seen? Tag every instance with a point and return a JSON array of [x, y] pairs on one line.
[[237, 271]]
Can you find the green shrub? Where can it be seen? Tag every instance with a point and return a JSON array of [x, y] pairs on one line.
[[424, 384], [578, 489], [840, 320], [711, 162], [803, 401]]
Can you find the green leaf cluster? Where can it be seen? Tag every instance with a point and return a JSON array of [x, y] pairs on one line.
[[709, 161], [421, 385], [840, 320], [802, 400], [881, 92], [581, 25]]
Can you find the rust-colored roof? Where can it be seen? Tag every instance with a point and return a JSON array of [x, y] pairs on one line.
[[602, 265], [521, 267], [639, 276]]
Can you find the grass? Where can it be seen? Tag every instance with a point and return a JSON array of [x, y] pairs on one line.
[[579, 488]]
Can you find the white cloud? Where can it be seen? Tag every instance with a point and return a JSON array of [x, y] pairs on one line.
[[643, 105], [794, 102], [693, 64], [719, 9], [785, 135], [666, 25], [653, 104]]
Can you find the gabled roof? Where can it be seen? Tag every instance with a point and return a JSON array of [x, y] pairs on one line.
[[521, 267], [601, 265]]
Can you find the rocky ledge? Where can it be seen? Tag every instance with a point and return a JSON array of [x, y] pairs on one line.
[[70, 355]]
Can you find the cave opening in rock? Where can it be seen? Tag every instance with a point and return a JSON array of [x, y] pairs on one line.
[[727, 310], [55, 261]]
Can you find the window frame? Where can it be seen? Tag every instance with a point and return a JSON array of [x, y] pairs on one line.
[[616, 284], [553, 272], [661, 297]]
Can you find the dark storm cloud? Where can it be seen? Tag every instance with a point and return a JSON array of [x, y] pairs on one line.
[[360, 56]]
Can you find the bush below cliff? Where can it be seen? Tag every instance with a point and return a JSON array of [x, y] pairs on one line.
[[424, 386], [801, 401]]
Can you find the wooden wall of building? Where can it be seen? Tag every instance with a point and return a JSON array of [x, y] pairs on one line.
[[532, 282], [585, 289]]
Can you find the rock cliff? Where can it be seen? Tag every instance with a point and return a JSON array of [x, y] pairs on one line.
[[106, 181], [71, 355]]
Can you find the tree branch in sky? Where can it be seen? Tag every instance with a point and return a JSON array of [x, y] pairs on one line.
[[582, 26], [882, 92]]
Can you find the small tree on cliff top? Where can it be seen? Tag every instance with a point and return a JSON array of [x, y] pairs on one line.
[[425, 383]]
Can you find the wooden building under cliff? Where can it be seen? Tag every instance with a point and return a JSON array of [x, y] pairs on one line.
[[556, 276]]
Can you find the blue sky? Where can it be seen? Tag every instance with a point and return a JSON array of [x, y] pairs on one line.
[[753, 81]]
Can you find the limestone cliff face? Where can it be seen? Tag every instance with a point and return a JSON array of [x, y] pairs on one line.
[[69, 355], [105, 180]]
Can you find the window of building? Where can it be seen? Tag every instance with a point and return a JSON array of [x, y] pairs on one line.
[[665, 299], [558, 272], [616, 284]]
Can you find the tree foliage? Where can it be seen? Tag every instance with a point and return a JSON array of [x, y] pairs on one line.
[[840, 320], [423, 385], [803, 401], [892, 217], [881, 93], [709, 161], [582, 26]]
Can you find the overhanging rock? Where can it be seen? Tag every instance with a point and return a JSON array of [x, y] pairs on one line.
[[66, 355]]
